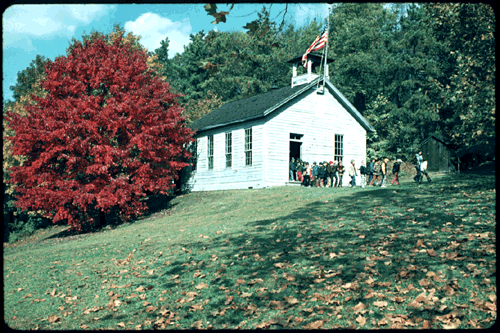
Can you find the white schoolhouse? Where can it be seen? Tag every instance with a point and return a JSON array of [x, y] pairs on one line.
[[248, 143]]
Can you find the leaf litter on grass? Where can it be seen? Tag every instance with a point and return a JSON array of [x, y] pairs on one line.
[[401, 264]]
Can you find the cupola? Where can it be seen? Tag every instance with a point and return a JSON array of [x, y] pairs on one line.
[[314, 59]]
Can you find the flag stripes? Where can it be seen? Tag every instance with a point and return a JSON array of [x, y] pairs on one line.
[[318, 44]]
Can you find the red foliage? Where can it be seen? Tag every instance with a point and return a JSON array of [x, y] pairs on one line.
[[107, 133]]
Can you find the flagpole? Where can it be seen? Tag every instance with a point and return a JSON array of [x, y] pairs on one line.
[[326, 46]]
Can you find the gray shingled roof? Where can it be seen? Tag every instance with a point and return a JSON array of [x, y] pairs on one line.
[[261, 105]]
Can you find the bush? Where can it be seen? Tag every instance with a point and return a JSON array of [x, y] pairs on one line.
[[23, 225]]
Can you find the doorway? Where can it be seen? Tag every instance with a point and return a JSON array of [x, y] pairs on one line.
[[295, 148]]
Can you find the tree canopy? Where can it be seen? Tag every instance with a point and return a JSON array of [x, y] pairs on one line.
[[107, 132]]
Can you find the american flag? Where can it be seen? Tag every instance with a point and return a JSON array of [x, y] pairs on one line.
[[318, 44]]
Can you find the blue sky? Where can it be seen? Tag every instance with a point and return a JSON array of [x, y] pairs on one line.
[[47, 30]]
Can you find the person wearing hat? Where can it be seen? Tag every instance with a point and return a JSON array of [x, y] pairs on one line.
[[352, 174], [384, 171], [395, 171]]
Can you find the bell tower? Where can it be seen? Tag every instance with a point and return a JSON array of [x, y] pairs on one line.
[[314, 60]]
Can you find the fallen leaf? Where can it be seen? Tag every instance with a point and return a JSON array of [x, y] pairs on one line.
[[276, 305], [201, 286], [197, 324], [151, 308], [122, 324], [53, 319], [245, 295], [361, 320], [380, 304], [291, 300], [359, 307], [383, 321], [315, 325]]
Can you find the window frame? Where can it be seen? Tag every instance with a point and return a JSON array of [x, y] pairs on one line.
[[338, 148], [210, 151], [248, 146], [229, 149]]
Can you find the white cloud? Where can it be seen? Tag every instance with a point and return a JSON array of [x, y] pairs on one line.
[[46, 20], [153, 29]]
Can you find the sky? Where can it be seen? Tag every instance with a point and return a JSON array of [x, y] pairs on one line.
[[47, 30]]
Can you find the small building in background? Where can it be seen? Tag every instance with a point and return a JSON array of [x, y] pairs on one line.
[[440, 155]]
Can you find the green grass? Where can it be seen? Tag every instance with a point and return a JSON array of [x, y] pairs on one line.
[[405, 256]]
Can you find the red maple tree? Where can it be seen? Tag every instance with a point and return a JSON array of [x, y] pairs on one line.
[[107, 133]]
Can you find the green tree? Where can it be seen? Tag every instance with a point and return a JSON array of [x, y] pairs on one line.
[[465, 92]]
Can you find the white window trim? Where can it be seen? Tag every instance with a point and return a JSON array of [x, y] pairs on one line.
[[210, 152], [338, 157], [229, 149], [248, 146]]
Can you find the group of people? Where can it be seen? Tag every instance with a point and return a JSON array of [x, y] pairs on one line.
[[322, 174], [330, 174]]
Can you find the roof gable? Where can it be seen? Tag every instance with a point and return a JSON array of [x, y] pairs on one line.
[[261, 105]]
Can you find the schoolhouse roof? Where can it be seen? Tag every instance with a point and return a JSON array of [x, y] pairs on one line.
[[261, 105], [316, 57]]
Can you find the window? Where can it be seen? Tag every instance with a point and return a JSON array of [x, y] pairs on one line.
[[339, 148], [248, 146], [229, 149], [194, 157], [210, 151]]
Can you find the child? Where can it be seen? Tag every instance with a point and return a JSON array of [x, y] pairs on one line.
[[340, 170]]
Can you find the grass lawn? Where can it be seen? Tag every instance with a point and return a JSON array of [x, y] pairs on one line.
[[405, 256]]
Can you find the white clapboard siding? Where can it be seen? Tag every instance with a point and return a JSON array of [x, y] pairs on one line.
[[318, 118], [239, 175]]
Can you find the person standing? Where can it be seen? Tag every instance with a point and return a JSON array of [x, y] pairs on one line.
[[328, 174], [300, 167], [321, 174], [370, 168], [423, 170], [376, 173], [420, 160], [307, 175], [362, 172], [292, 169], [395, 171], [352, 174], [341, 171], [325, 174], [384, 171], [314, 174], [334, 174]]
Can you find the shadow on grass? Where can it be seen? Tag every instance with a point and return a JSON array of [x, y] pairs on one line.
[[157, 204], [372, 233]]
